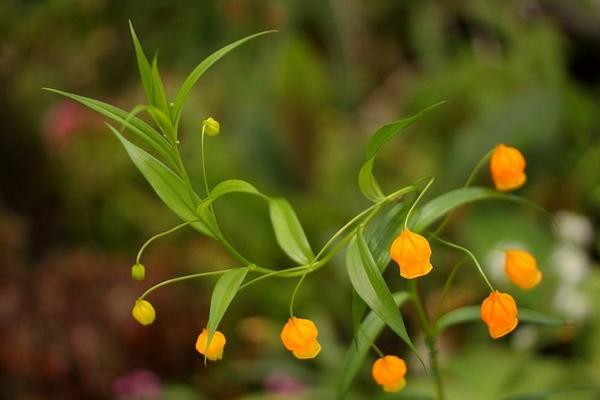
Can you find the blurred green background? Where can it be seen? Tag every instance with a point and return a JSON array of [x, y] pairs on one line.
[[296, 109]]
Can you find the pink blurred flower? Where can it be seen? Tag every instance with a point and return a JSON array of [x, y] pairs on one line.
[[65, 119], [281, 383], [139, 384]]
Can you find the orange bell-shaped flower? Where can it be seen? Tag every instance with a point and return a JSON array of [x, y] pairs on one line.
[[499, 312], [299, 336], [521, 268], [214, 351], [412, 253], [508, 168], [389, 372]]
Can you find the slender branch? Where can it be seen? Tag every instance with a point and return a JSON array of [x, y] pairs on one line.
[[412, 207], [465, 250], [182, 278], [468, 182], [159, 235]]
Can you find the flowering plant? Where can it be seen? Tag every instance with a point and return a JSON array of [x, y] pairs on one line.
[[396, 225]]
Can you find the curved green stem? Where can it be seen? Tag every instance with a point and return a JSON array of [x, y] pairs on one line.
[[182, 278], [430, 340], [412, 207], [295, 292], [445, 289], [468, 182], [159, 235], [465, 250]]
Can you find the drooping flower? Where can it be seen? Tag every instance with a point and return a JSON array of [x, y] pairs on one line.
[[143, 312], [499, 312], [389, 372], [412, 253], [214, 351], [299, 336], [507, 166], [211, 126], [521, 268], [138, 272]]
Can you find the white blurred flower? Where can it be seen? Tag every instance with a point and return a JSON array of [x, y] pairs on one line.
[[571, 263], [525, 337], [574, 228], [572, 303]]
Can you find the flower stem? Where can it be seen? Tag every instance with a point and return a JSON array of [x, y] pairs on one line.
[[159, 235], [182, 278], [465, 250], [430, 340], [416, 201]]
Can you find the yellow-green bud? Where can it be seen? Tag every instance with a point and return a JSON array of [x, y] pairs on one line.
[[138, 272], [211, 126], [143, 312]]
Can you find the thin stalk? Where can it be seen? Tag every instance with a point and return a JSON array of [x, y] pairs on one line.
[[159, 235], [295, 292], [455, 246], [203, 161], [430, 340], [468, 182], [412, 207], [182, 278], [446, 287]]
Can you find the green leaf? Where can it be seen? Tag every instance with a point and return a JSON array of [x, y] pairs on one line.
[[143, 66], [171, 189], [367, 333], [368, 183], [380, 241], [370, 286], [137, 126], [225, 290], [193, 77], [289, 232], [158, 89], [227, 187], [473, 313], [441, 205], [366, 180]]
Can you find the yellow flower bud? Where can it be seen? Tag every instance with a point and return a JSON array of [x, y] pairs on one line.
[[499, 312], [214, 351], [507, 166], [521, 268], [299, 336], [143, 312], [138, 272], [412, 253], [389, 372], [211, 126]]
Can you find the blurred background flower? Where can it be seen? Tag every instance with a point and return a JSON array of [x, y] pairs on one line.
[[295, 110]]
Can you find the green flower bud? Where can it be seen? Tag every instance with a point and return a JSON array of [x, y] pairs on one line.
[[211, 126], [143, 312], [138, 272]]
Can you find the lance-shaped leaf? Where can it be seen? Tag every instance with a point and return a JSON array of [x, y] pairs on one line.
[[447, 202], [366, 279], [380, 240], [227, 187], [171, 189], [225, 290], [366, 180], [441, 205], [368, 331], [143, 66], [193, 77], [289, 232], [141, 129], [473, 313]]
